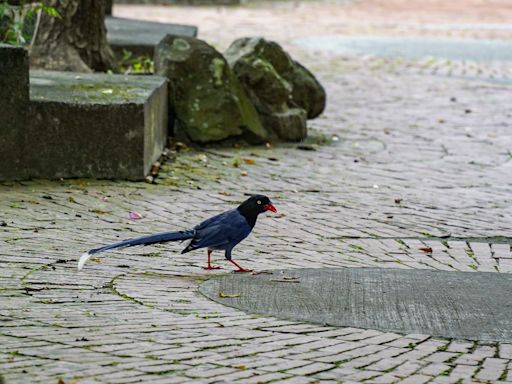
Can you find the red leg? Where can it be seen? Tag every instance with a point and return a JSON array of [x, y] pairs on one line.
[[240, 269], [209, 267]]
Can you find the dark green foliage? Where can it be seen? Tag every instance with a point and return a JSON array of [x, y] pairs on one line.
[[18, 22]]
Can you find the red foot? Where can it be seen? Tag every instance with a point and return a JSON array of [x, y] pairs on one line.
[[210, 267], [240, 269]]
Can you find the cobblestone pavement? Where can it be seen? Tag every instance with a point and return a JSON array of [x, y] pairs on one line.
[[401, 160]]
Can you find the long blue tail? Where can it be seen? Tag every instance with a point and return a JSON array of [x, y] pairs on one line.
[[145, 240]]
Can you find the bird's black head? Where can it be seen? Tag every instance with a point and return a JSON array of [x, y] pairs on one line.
[[255, 205]]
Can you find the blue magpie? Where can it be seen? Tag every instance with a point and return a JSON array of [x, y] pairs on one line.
[[221, 232]]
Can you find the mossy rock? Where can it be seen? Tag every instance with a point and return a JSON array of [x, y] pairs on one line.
[[205, 97], [290, 125], [268, 75], [268, 91], [259, 47], [306, 91]]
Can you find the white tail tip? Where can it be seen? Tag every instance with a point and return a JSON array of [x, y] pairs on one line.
[[86, 256]]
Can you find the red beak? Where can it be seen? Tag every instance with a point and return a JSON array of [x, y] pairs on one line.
[[269, 207]]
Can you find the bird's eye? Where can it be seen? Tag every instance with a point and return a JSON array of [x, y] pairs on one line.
[[259, 202]]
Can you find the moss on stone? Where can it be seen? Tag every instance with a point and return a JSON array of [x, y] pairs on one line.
[[217, 68], [91, 89]]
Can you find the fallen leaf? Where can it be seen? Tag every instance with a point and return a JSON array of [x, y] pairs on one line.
[[426, 249], [155, 168], [261, 273], [241, 366], [134, 215], [249, 161], [227, 296], [307, 147], [286, 281], [244, 173], [202, 158], [107, 91], [179, 146], [224, 193], [99, 211]]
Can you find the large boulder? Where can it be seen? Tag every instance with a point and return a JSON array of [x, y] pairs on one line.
[[278, 86], [205, 97]]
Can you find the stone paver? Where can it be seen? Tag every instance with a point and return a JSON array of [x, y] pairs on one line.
[[401, 159]]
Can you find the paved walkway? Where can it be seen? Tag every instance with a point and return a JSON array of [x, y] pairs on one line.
[[402, 160]]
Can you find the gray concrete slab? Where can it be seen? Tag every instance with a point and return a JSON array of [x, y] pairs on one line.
[[140, 37], [473, 306]]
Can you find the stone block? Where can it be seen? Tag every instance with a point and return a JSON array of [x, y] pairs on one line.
[[95, 125], [14, 95], [141, 37]]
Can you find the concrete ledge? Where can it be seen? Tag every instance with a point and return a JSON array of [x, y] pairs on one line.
[[101, 126], [140, 37]]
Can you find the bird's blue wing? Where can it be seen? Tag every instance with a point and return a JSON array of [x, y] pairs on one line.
[[220, 232], [214, 219]]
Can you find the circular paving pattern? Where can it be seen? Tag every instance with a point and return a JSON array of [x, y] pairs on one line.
[[447, 304]]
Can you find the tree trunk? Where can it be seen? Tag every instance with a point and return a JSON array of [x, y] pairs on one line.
[[108, 7], [76, 42]]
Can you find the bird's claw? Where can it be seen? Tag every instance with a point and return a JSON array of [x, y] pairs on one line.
[[210, 267], [242, 270]]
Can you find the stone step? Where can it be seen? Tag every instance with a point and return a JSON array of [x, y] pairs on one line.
[[78, 125], [95, 125]]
